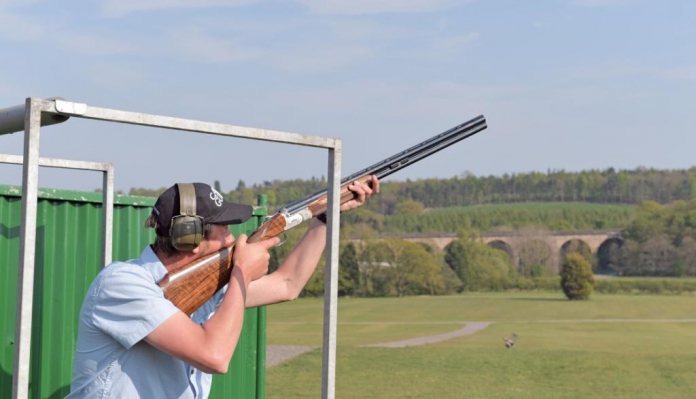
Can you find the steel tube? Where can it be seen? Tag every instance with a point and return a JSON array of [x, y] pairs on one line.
[[328, 376], [108, 212], [12, 119], [30, 179], [168, 122]]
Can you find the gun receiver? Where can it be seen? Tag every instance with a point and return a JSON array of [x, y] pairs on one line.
[[192, 285]]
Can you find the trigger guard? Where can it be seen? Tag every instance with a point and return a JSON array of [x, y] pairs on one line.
[[283, 239]]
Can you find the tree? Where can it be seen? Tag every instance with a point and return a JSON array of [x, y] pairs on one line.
[[409, 207], [350, 270], [580, 247], [422, 271], [577, 281], [478, 265], [396, 267]]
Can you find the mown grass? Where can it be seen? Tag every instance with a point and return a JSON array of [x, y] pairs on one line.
[[612, 346]]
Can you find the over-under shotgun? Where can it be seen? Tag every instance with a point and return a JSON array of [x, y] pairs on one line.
[[192, 285]]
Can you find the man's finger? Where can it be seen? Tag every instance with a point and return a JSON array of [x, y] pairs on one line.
[[360, 190], [241, 240], [375, 184], [270, 243]]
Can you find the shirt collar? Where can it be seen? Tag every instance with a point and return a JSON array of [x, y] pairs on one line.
[[150, 261]]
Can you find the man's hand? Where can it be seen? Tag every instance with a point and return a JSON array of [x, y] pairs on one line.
[[252, 258], [362, 191]]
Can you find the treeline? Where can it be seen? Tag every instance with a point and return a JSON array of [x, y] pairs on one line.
[[488, 218], [597, 186], [550, 216]]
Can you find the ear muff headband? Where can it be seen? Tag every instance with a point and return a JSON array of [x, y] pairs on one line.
[[186, 229], [187, 199]]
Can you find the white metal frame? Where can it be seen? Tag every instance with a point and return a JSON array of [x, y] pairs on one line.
[[35, 108], [107, 170]]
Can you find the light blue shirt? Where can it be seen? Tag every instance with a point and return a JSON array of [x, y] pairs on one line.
[[123, 305]]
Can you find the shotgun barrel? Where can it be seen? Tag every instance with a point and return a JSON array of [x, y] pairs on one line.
[[406, 157]]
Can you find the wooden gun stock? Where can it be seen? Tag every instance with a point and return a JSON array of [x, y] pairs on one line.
[[192, 285]]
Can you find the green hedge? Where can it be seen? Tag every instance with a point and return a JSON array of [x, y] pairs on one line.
[[645, 285], [617, 285]]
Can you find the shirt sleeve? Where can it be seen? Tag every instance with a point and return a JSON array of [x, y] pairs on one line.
[[129, 305]]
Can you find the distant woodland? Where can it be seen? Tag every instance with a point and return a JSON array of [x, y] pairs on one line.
[[607, 186]]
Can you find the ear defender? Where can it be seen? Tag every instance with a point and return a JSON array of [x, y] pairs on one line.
[[186, 229]]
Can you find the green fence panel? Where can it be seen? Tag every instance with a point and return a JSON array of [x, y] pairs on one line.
[[68, 257]]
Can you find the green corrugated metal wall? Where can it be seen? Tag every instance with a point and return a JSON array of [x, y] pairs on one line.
[[68, 256]]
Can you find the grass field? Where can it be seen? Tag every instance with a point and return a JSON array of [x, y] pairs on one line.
[[612, 346]]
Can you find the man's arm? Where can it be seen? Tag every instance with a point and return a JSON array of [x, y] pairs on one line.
[[287, 282], [210, 346]]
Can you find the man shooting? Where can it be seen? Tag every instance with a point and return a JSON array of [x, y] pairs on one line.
[[134, 343]]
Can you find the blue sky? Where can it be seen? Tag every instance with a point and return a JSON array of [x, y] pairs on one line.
[[565, 84]]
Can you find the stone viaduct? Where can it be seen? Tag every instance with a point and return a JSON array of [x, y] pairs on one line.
[[553, 244]]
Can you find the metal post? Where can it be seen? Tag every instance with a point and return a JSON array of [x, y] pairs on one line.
[[328, 377], [108, 211], [30, 183]]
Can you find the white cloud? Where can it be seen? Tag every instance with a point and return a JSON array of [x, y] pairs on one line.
[[113, 76], [630, 71], [458, 41], [324, 58], [601, 3], [119, 8], [93, 44], [20, 29], [393, 101], [307, 57], [684, 73], [362, 7], [213, 49], [12, 3]]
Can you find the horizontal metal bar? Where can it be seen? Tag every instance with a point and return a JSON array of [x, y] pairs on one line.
[[168, 122], [59, 163]]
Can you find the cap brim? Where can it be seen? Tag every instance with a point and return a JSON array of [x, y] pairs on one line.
[[231, 213]]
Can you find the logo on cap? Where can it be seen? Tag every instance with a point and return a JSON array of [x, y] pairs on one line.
[[215, 196]]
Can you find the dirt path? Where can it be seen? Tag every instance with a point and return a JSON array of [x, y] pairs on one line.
[[468, 329], [277, 354]]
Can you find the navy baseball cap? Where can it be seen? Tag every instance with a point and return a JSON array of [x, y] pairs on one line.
[[210, 206]]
